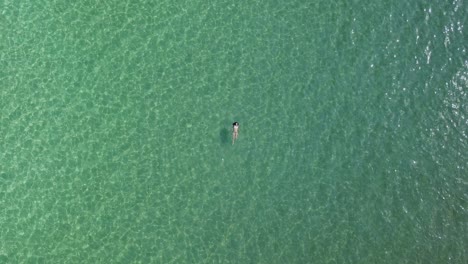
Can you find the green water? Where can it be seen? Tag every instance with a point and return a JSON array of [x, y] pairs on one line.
[[116, 121]]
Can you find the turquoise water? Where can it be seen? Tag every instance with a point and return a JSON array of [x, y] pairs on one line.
[[116, 121]]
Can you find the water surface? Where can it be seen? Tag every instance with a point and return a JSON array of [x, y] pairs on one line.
[[115, 132]]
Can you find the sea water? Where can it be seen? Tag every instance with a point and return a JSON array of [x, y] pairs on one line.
[[116, 122]]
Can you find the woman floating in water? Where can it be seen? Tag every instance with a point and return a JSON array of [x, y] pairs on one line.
[[235, 131]]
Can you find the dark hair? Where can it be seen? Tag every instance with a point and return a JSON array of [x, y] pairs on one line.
[[235, 124]]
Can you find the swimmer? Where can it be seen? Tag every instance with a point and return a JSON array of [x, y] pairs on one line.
[[235, 131]]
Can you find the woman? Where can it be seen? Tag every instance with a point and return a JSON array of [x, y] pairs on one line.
[[235, 131]]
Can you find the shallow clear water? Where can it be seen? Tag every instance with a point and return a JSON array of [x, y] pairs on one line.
[[116, 132]]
